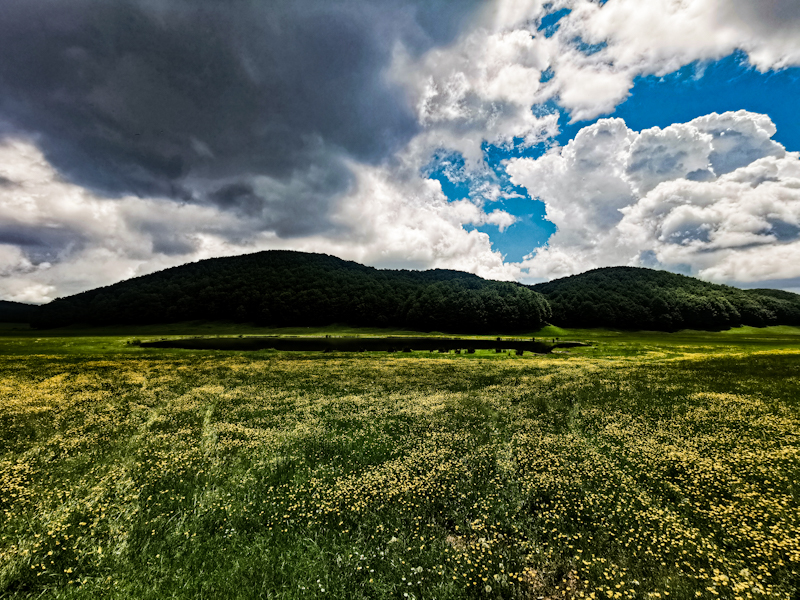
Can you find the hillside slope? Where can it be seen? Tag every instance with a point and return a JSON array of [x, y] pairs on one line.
[[637, 298], [285, 288], [16, 312]]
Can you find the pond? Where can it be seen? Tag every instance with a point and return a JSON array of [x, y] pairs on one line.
[[360, 344]]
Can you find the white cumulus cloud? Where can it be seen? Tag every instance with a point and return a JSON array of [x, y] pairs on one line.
[[715, 196], [660, 36]]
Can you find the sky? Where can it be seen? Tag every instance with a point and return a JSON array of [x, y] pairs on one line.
[[515, 139]]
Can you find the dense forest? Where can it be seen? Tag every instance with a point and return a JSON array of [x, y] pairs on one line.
[[283, 288], [16, 312], [635, 298]]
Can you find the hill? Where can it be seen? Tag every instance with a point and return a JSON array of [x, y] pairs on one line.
[[637, 298], [16, 312], [284, 288]]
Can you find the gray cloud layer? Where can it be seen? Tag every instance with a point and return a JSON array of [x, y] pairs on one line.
[[190, 99]]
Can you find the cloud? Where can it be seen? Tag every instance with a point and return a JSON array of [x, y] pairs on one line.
[[479, 89], [58, 238], [144, 133], [403, 221], [488, 78], [659, 37], [179, 99], [583, 185], [715, 196], [744, 226]]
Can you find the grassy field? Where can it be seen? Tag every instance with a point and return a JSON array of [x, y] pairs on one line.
[[648, 465]]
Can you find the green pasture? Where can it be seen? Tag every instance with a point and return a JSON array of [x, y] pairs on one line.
[[646, 465], [22, 340]]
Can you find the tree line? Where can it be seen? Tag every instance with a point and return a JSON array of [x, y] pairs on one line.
[[284, 288], [16, 312], [636, 298]]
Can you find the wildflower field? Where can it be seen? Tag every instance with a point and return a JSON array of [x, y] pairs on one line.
[[641, 467]]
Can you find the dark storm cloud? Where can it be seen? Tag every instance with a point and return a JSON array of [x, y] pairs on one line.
[[289, 207], [164, 240], [41, 244], [240, 196], [152, 97]]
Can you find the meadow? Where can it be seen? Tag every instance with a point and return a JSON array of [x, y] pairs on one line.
[[649, 465]]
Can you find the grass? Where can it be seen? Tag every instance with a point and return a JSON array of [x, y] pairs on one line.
[[648, 465]]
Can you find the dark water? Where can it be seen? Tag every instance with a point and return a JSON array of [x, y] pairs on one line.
[[359, 344]]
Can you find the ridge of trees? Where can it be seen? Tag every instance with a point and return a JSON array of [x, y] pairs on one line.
[[16, 312], [285, 288], [638, 298]]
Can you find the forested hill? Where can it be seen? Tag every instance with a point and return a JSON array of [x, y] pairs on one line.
[[284, 288], [16, 312], [636, 298]]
